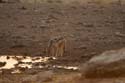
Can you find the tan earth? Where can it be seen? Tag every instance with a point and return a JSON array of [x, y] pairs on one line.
[[90, 28]]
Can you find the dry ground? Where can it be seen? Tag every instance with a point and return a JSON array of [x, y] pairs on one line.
[[90, 28]]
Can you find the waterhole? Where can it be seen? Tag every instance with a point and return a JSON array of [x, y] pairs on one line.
[[17, 62]]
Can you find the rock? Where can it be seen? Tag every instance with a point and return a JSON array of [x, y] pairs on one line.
[[108, 64]]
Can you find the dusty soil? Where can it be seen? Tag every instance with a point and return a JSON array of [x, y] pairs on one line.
[[89, 28], [50, 76]]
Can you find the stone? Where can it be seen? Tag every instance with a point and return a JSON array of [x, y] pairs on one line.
[[108, 64]]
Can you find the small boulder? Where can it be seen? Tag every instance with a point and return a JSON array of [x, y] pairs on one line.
[[108, 64]]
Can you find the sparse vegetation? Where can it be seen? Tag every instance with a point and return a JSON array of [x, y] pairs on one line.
[[89, 26]]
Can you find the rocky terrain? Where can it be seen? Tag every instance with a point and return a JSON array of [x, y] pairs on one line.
[[90, 28]]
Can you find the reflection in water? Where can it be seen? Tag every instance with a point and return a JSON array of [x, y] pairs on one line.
[[25, 66], [17, 62], [21, 61], [9, 62], [36, 59], [66, 67]]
